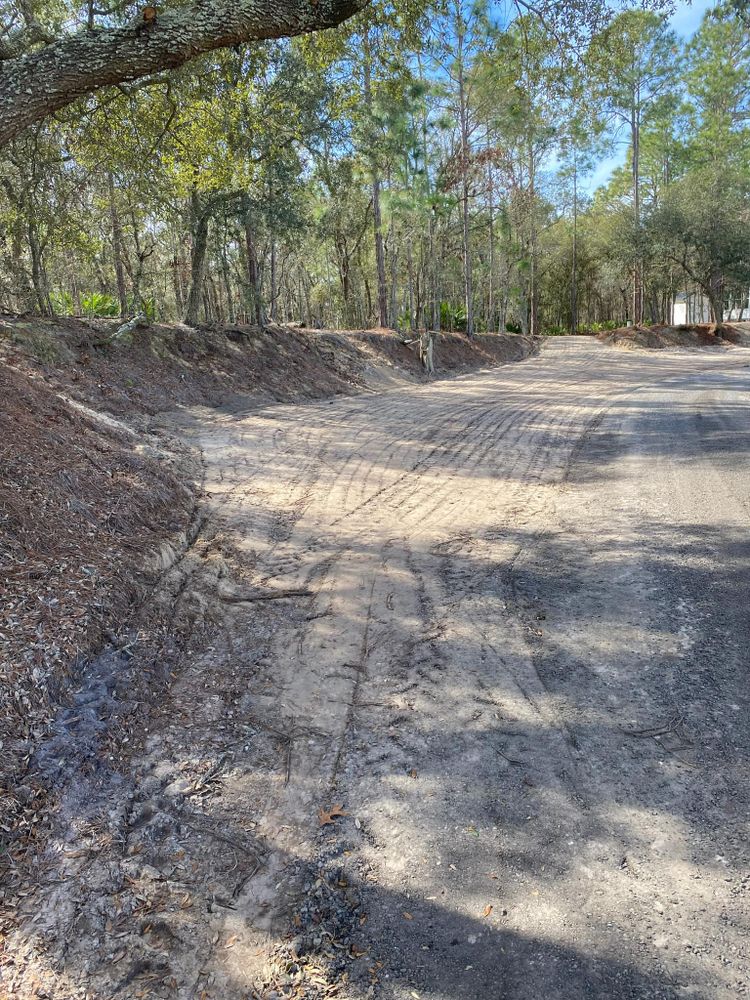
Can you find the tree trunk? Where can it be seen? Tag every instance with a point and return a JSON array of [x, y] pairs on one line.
[[624, 296], [38, 272], [306, 292], [136, 273], [430, 275], [635, 137], [574, 274], [272, 303], [410, 289], [715, 293], [491, 262], [393, 255], [524, 312], [117, 242], [200, 218], [344, 263], [533, 278], [253, 274], [463, 121], [179, 296], [227, 279], [376, 210]]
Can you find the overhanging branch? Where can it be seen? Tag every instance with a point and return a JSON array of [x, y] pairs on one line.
[[35, 85]]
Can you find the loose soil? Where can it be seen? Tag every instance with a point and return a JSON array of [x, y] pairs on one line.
[[161, 368], [451, 702], [661, 337], [99, 509]]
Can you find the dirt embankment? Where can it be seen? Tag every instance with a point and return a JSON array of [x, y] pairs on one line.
[[163, 367], [660, 337], [84, 502], [90, 491]]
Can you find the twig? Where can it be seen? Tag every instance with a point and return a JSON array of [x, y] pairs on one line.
[[255, 854], [244, 880], [511, 760], [287, 738], [271, 595], [654, 731]]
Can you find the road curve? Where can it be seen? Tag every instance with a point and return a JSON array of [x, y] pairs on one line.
[[500, 622], [521, 648]]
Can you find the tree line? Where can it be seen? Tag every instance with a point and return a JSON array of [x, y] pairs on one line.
[[415, 167]]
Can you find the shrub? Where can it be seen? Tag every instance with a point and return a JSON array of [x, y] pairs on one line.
[[452, 317], [62, 303], [99, 304], [145, 306]]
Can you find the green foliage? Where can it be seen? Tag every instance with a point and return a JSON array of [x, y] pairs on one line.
[[146, 306], [62, 303], [702, 228], [562, 330], [452, 317], [98, 304], [265, 160]]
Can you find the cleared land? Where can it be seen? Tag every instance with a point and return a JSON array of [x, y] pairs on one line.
[[462, 711]]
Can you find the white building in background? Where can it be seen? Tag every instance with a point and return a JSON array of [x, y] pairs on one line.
[[694, 307], [690, 307], [739, 310]]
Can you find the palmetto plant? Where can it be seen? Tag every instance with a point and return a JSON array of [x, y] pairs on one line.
[[99, 304]]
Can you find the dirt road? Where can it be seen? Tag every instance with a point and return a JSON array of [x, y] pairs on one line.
[[501, 622]]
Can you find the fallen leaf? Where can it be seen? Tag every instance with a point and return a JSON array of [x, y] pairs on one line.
[[326, 817]]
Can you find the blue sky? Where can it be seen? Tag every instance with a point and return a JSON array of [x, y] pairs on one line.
[[684, 21], [687, 17]]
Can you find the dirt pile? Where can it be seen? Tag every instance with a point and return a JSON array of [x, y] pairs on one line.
[[162, 367], [660, 337]]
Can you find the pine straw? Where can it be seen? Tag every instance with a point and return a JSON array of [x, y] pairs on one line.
[[80, 507]]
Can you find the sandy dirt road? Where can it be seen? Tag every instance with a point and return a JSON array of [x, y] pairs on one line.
[[527, 644], [503, 622]]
